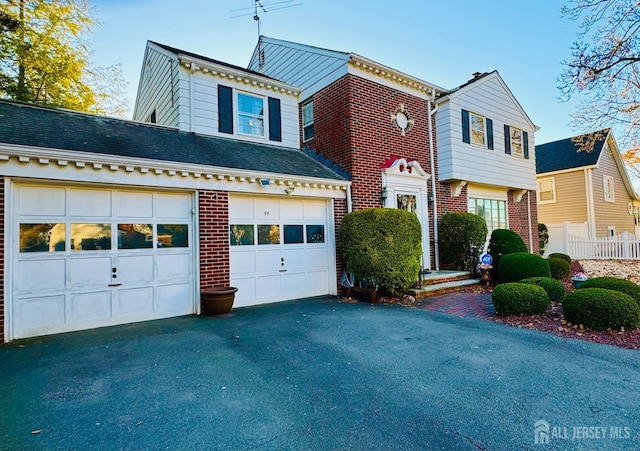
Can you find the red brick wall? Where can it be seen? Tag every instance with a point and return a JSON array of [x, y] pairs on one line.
[[518, 218], [2, 309], [214, 238], [339, 212]]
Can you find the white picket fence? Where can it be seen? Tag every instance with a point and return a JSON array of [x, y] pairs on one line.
[[625, 246]]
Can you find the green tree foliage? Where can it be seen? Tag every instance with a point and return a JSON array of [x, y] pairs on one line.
[[382, 244], [605, 70], [462, 236], [44, 58]]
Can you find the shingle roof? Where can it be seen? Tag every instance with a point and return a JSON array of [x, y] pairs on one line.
[[563, 154], [67, 130]]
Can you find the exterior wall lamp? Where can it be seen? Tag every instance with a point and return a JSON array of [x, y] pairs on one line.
[[383, 196], [429, 198]]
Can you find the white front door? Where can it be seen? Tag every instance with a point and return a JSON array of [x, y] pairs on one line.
[[280, 249], [89, 257]]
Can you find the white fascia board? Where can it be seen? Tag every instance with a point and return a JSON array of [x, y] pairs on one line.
[[565, 171], [185, 175], [196, 63]]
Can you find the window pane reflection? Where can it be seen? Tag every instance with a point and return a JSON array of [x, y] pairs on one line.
[[315, 234], [90, 237], [293, 234], [173, 235], [42, 237], [241, 235], [269, 234], [135, 236]]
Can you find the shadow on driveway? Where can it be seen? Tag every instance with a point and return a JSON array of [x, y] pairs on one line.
[[316, 374]]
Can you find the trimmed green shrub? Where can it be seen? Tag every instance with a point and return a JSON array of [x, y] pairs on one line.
[[565, 257], [503, 242], [521, 265], [543, 238], [601, 309], [554, 289], [383, 244], [520, 299], [462, 236], [559, 268], [616, 284]]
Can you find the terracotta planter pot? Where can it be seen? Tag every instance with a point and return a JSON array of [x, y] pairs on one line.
[[364, 294], [218, 301]]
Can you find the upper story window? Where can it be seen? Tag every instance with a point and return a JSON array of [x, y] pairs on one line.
[[477, 130], [152, 117], [250, 114], [308, 131], [609, 192], [547, 191], [516, 142]]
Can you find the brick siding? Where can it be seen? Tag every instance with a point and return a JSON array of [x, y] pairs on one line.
[[214, 239], [518, 219]]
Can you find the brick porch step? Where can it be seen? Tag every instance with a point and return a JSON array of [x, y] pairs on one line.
[[442, 287]]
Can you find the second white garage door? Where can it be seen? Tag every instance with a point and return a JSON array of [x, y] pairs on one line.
[[280, 249]]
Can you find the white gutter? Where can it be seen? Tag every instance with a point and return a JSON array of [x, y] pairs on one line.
[[529, 216], [436, 250]]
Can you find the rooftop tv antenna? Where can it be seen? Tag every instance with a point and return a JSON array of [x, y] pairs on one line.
[[263, 7]]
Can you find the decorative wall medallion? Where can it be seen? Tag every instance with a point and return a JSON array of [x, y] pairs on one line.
[[402, 120]]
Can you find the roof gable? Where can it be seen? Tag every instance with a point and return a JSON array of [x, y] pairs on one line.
[[47, 128], [563, 155], [478, 81]]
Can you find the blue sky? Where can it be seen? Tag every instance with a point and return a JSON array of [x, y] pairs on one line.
[[442, 42]]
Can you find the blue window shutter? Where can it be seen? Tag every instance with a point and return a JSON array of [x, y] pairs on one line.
[[489, 134], [525, 138], [225, 109], [275, 122], [507, 139], [466, 132]]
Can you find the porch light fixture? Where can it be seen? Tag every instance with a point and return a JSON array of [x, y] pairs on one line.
[[430, 198], [383, 196], [289, 191]]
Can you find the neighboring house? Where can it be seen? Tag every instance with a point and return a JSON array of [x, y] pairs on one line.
[[110, 221], [585, 193], [410, 144]]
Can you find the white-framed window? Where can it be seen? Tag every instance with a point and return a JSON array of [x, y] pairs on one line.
[[478, 129], [308, 131], [516, 142], [250, 114], [493, 211], [547, 191], [609, 191], [611, 231]]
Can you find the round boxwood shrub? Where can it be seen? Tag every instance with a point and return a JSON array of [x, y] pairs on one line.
[[565, 257], [559, 268], [383, 244], [601, 309], [616, 284], [520, 299], [503, 242], [521, 265], [554, 289], [462, 236]]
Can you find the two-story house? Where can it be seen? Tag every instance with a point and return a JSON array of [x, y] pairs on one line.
[[108, 221], [584, 192], [410, 144]]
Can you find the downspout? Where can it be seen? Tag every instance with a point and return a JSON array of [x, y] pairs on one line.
[[192, 107], [529, 216], [349, 203], [436, 250], [591, 218]]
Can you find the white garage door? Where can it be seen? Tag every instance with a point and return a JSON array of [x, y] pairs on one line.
[[280, 249], [84, 258]]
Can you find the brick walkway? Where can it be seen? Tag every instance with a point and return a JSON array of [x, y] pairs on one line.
[[477, 305]]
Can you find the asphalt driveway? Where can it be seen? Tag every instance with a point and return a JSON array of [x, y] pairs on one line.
[[317, 374]]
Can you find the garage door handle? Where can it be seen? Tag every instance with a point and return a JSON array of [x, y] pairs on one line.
[[115, 284], [282, 270]]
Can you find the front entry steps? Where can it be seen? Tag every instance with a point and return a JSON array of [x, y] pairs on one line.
[[438, 282]]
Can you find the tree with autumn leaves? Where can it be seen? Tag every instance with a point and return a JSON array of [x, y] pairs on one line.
[[605, 70], [45, 58]]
